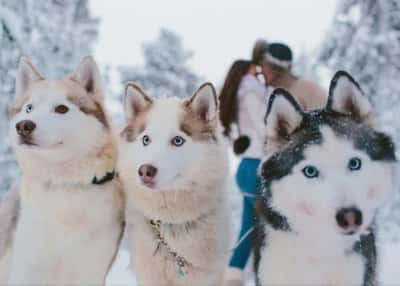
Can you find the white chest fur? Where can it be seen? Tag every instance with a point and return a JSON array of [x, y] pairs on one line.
[[203, 246], [287, 260], [66, 235]]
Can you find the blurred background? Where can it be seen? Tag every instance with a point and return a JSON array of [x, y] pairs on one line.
[[169, 47]]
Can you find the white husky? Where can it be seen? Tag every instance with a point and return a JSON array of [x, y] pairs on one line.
[[70, 205], [329, 172], [173, 166]]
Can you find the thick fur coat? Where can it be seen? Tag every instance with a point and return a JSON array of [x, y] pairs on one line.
[[181, 140], [328, 173], [70, 207]]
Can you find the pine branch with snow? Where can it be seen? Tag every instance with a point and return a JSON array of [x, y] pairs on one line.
[[165, 71]]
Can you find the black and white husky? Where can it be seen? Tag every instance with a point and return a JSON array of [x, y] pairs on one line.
[[328, 174]]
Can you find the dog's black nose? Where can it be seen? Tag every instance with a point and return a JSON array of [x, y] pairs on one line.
[[147, 174], [349, 219], [25, 127]]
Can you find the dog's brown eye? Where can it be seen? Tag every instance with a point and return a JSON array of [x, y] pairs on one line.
[[61, 109]]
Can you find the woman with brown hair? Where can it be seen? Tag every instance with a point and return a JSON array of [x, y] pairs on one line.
[[243, 102]]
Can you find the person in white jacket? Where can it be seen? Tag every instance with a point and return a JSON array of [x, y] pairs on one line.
[[243, 102]]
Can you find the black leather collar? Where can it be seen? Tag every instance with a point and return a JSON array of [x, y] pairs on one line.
[[109, 176]]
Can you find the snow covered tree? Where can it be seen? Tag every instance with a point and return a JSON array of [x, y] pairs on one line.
[[11, 40], [165, 71], [303, 65], [365, 40], [57, 46], [55, 35]]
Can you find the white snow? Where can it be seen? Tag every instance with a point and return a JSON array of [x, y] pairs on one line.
[[120, 274], [13, 23]]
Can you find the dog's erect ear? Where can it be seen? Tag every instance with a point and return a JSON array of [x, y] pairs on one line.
[[136, 101], [26, 76], [283, 116], [204, 102], [346, 97], [88, 76]]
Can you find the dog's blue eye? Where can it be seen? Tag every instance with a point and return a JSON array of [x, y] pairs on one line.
[[28, 108], [146, 140], [354, 164], [177, 141], [310, 172]]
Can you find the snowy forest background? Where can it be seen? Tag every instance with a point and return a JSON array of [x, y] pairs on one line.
[[364, 39]]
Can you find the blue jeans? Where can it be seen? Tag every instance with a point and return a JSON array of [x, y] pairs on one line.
[[248, 182]]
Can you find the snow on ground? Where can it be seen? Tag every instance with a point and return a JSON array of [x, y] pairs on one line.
[[120, 274], [389, 251]]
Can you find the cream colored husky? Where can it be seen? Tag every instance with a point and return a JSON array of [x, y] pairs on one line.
[[173, 166], [70, 204]]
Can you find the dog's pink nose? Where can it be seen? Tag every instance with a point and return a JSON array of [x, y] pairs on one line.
[[25, 128], [349, 219], [147, 173]]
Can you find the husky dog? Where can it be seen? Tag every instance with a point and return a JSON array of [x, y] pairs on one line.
[[173, 167], [328, 174], [70, 205]]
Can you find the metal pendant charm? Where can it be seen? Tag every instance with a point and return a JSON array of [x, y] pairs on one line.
[[181, 266]]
